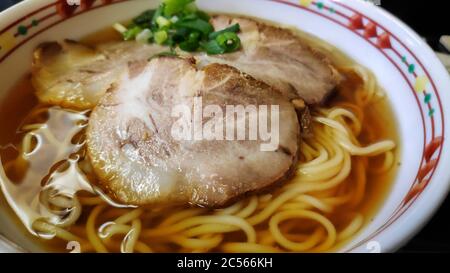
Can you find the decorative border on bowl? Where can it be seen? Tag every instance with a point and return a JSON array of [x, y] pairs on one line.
[[403, 58], [24, 29], [418, 78]]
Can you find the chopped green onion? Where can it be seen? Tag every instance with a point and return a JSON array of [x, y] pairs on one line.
[[120, 28], [180, 34], [191, 8], [175, 6], [203, 15], [197, 24], [145, 18], [131, 33], [163, 22], [229, 41], [194, 36], [161, 36], [192, 44], [189, 46], [213, 48], [191, 16], [180, 23], [144, 36], [234, 28], [158, 12]]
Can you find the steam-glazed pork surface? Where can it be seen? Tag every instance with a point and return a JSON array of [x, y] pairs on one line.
[[134, 152], [74, 75]]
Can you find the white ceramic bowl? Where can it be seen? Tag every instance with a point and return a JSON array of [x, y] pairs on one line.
[[417, 85]]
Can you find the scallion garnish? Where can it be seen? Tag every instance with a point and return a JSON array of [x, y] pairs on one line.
[[161, 36], [120, 28], [163, 22], [229, 41], [192, 43], [173, 7], [213, 48], [144, 36], [131, 33], [144, 18], [179, 23], [234, 28], [196, 25]]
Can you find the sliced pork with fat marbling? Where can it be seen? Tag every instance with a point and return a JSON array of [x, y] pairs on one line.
[[74, 75], [279, 58], [139, 161]]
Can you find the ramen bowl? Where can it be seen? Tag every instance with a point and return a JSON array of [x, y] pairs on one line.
[[416, 83]]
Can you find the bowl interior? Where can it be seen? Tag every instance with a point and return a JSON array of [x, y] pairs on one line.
[[416, 85]]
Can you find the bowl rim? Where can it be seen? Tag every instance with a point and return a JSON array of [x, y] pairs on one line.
[[413, 218], [420, 212]]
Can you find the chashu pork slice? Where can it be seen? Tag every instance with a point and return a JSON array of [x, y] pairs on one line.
[[74, 75], [279, 58], [140, 161]]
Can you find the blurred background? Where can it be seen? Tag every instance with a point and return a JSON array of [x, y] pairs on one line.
[[7, 3], [429, 19]]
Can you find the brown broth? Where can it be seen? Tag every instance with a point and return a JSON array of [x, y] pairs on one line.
[[382, 126]]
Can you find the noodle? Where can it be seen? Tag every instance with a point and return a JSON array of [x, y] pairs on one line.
[[132, 237], [313, 240], [352, 228], [91, 231]]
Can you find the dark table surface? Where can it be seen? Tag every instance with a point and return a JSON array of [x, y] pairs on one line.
[[430, 20]]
